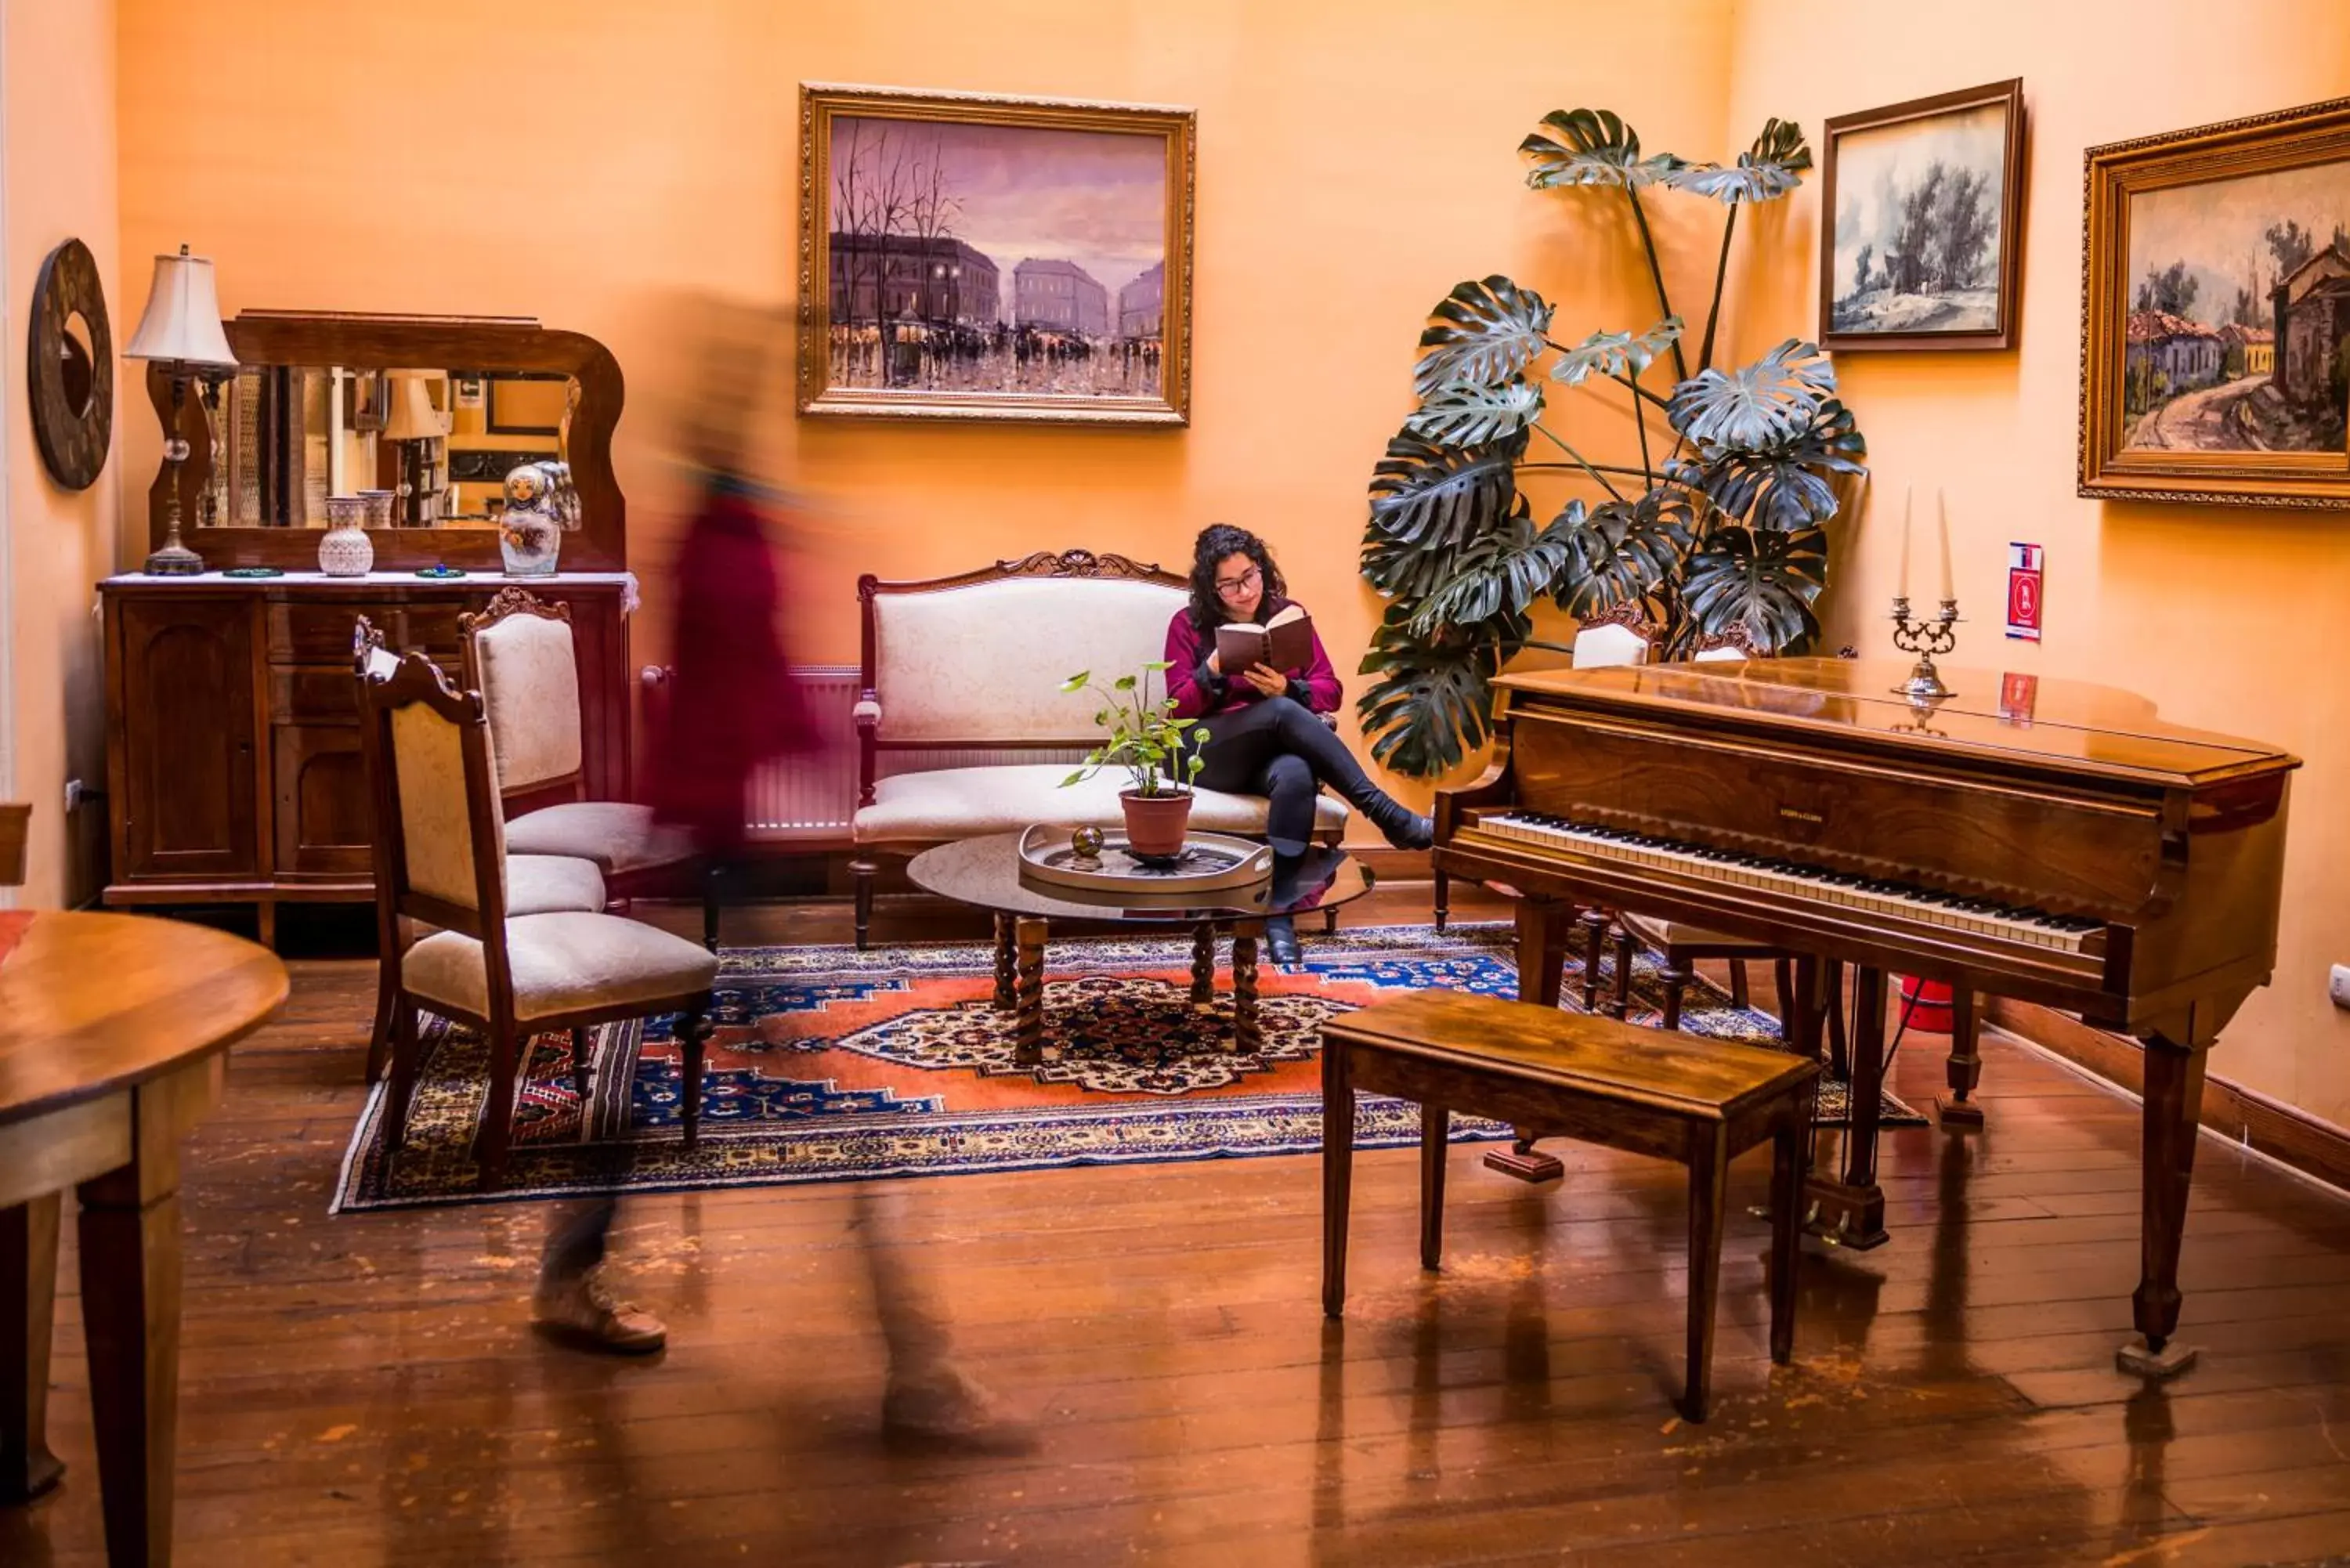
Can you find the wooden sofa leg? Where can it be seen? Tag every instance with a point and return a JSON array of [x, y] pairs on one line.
[[863, 870], [1444, 882]]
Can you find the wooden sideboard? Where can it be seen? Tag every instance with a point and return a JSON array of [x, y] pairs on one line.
[[233, 741]]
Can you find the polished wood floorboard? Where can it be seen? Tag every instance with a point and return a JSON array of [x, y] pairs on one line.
[[366, 1390]]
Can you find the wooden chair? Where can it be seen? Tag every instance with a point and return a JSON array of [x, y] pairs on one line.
[[518, 655], [511, 978], [536, 884]]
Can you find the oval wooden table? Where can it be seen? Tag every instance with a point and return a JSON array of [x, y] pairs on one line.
[[114, 1035]]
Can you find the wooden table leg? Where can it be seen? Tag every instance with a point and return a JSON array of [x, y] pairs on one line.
[[1203, 966], [1008, 963], [1028, 1027], [28, 1294], [1542, 960], [1708, 1163], [1337, 1172], [1435, 1134], [130, 1316], [1787, 1146], [2174, 1109], [1965, 1063], [1851, 1212], [1248, 1031]]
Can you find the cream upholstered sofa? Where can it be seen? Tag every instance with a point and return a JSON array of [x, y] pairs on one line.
[[962, 727]]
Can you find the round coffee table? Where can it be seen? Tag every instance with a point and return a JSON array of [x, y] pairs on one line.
[[985, 872]]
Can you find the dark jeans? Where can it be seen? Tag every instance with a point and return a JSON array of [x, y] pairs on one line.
[[1280, 748]]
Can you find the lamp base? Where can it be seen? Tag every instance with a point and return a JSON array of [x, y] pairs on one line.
[[173, 561]]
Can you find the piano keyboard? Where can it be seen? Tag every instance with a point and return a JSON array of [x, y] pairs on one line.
[[1870, 895]]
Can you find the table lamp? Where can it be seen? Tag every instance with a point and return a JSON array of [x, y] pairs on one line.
[[180, 331], [412, 423]]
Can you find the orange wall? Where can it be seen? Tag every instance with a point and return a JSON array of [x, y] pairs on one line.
[[2224, 615], [1345, 182], [59, 142]]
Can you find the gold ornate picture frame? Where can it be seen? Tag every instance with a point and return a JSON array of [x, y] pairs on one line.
[[2215, 313], [965, 257]]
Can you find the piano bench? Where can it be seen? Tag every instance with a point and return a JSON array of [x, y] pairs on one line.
[[1561, 1075]]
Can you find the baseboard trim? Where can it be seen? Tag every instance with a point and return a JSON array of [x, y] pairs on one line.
[[2316, 1147]]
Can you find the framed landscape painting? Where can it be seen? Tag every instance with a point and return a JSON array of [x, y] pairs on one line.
[[994, 258], [1923, 228], [2215, 313]]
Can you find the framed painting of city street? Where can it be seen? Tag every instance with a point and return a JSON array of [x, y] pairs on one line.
[[2215, 313], [975, 258], [1922, 207]]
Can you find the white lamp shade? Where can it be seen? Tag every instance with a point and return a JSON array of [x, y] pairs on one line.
[[182, 323], [412, 417]]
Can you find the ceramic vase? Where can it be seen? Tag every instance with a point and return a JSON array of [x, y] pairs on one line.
[[346, 551]]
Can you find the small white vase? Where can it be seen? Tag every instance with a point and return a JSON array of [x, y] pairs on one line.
[[346, 551]]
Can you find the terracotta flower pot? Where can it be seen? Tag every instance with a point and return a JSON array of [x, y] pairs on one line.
[[1155, 823]]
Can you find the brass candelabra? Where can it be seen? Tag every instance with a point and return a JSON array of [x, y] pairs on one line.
[[1924, 639]]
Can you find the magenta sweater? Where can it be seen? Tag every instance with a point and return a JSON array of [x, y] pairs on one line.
[[1199, 691]]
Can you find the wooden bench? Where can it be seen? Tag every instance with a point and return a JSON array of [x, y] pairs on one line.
[[1562, 1075]]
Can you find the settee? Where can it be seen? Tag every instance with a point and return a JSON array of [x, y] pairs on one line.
[[962, 728]]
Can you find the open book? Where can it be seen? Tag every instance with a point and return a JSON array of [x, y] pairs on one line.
[[1285, 643]]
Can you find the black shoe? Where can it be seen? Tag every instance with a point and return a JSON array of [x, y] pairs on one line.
[[1402, 829], [1280, 942]]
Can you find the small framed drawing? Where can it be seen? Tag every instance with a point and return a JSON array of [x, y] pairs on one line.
[[2215, 313], [994, 258], [1924, 229]]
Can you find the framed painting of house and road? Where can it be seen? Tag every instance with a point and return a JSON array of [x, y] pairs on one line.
[[2215, 313], [995, 258], [1923, 231]]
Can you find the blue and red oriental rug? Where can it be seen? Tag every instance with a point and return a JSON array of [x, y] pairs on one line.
[[831, 1064]]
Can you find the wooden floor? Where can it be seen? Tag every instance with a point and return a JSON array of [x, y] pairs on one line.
[[365, 1390]]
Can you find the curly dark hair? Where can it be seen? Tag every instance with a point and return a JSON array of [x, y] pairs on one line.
[[1217, 541]]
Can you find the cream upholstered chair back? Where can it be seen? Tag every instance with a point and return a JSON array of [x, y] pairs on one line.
[[518, 655], [444, 831], [1603, 643], [984, 659]]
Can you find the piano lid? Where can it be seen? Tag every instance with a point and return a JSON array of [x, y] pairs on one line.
[[2099, 728]]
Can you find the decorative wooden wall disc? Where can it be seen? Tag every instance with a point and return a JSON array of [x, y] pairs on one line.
[[72, 373]]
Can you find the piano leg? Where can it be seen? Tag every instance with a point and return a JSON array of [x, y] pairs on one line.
[[1444, 884], [1966, 1063], [2174, 1110], [1594, 939], [1851, 1212], [1541, 959]]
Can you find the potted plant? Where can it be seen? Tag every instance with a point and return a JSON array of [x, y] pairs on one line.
[[1160, 753]]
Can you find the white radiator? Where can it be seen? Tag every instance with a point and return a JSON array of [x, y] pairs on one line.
[[810, 798]]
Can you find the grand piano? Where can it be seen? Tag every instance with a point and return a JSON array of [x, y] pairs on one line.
[[2047, 841]]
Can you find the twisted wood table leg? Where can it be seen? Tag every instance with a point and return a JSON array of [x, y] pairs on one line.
[[1028, 1028], [1203, 966], [1007, 962], [1248, 1036]]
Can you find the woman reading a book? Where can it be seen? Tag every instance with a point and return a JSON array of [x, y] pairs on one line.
[[1246, 660]]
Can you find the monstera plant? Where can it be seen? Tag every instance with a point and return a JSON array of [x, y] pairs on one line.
[[1716, 527]]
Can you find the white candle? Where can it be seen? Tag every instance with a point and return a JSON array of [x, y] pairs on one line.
[[1942, 505], [1904, 589]]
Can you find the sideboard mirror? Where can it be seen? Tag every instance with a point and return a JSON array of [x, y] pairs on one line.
[[436, 409]]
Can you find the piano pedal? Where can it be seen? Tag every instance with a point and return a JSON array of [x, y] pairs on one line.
[[2155, 1365], [1842, 1216], [1958, 1116]]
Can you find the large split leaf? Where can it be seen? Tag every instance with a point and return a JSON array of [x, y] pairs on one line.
[[1432, 703], [1771, 399], [1471, 413], [1765, 172], [1435, 496], [1622, 550], [1482, 331], [1783, 486], [1761, 580], [1616, 353], [1401, 571], [1503, 572], [1591, 147]]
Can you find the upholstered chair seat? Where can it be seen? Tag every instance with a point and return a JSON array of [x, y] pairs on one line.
[[562, 963], [621, 837], [549, 884], [943, 804]]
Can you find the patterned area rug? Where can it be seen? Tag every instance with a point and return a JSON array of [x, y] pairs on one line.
[[833, 1065]]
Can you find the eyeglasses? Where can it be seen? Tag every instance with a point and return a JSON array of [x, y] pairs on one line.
[[1235, 587]]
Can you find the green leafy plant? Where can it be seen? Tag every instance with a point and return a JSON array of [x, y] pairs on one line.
[[1159, 751], [1718, 531]]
